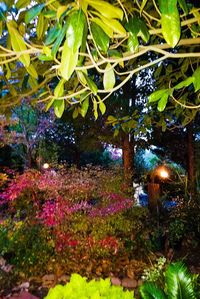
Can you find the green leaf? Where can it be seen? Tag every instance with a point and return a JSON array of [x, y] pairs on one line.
[[150, 290], [179, 282], [100, 37], [132, 43], [84, 107], [33, 12], [40, 26], [156, 95], [81, 76], [108, 77], [59, 107], [102, 107], [184, 6], [83, 45], [91, 84], [52, 34], [114, 25], [162, 102], [48, 106], [62, 9], [32, 71], [69, 61], [170, 22], [18, 44], [185, 83], [95, 108], [107, 29], [75, 113], [59, 40], [22, 3], [136, 27], [59, 90], [49, 14], [196, 76], [74, 36], [106, 9]]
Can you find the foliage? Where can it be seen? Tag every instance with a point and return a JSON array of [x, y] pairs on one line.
[[82, 38], [154, 274], [70, 215], [78, 287], [179, 283]]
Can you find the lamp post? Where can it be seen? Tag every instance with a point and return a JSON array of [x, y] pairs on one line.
[[154, 192]]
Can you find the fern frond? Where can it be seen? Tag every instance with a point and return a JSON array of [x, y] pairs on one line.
[[150, 290]]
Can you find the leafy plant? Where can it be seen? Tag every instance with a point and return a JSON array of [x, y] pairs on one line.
[[78, 287], [178, 284]]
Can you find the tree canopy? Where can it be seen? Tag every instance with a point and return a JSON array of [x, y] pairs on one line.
[[77, 53]]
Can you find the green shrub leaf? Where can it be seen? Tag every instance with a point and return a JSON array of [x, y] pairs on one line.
[[33, 12]]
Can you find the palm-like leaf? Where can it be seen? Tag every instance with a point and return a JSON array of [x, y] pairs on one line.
[[179, 282], [150, 290]]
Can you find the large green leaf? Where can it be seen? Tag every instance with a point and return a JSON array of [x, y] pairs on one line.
[[102, 107], [109, 77], [185, 83], [18, 44], [59, 90], [33, 12], [196, 76], [179, 282], [84, 107], [59, 40], [136, 27], [115, 25], [59, 107], [107, 29], [91, 84], [74, 37], [52, 34], [32, 71], [100, 37], [106, 9], [156, 95], [150, 290], [170, 21], [163, 102]]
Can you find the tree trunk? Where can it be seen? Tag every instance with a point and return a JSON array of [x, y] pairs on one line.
[[29, 158], [127, 153], [191, 159]]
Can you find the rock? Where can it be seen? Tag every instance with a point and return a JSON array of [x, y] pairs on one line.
[[129, 283], [23, 286], [24, 295], [115, 281]]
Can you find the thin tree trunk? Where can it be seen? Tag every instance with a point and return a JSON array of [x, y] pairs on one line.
[[127, 158], [191, 159]]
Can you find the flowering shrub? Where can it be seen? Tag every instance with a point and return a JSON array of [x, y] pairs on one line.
[[73, 212]]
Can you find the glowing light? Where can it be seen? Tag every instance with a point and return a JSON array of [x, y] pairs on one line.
[[163, 173], [45, 166]]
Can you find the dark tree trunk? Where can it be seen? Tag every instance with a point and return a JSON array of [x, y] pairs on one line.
[[29, 158], [191, 159], [127, 152], [77, 158]]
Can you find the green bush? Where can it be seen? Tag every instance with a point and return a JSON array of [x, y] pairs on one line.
[[79, 288], [178, 284]]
